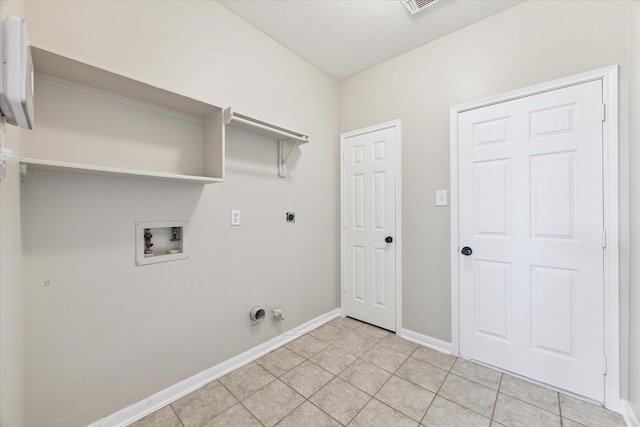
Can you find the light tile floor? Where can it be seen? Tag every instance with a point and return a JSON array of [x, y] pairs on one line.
[[350, 373]]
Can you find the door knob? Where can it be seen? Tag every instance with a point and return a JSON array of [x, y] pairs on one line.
[[388, 239], [466, 251]]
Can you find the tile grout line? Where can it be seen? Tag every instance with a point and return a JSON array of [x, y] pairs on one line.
[[329, 344], [386, 381], [380, 388], [450, 371], [287, 414], [392, 408], [531, 404], [495, 402], [393, 374], [176, 414], [456, 403], [374, 342], [462, 406], [381, 343], [251, 413], [437, 393], [324, 412], [304, 400], [474, 381], [240, 401], [371, 397], [278, 378], [360, 410]]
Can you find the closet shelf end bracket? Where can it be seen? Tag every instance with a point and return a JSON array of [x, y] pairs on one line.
[[284, 154]]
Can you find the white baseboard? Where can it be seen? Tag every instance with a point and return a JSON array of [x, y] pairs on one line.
[[629, 416], [426, 340], [170, 394]]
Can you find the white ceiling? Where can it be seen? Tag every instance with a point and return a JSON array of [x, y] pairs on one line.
[[343, 37]]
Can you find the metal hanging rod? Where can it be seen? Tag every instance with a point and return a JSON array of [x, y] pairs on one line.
[[258, 126]]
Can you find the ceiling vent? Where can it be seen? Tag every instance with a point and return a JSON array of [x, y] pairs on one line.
[[415, 6]]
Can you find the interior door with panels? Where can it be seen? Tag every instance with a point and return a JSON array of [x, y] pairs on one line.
[[530, 233], [369, 225]]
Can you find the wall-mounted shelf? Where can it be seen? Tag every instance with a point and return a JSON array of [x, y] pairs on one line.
[[92, 121], [75, 168], [288, 140]]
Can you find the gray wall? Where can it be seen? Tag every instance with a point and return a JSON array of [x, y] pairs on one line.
[[533, 42], [93, 338], [633, 394], [11, 289], [105, 333], [525, 45]]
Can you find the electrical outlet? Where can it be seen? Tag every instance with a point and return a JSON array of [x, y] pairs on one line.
[[235, 217]]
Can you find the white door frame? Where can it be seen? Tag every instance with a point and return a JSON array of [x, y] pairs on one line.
[[398, 198], [609, 77]]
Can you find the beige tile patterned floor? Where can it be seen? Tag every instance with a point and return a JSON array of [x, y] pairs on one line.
[[350, 373]]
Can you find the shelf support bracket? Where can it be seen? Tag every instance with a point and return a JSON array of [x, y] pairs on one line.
[[23, 172], [283, 155]]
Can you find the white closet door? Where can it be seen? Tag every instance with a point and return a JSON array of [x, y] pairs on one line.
[[369, 226], [531, 210]]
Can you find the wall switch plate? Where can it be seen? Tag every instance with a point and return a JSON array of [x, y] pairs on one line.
[[235, 217], [441, 198]]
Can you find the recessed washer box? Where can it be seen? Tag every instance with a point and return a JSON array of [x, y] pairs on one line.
[[160, 241]]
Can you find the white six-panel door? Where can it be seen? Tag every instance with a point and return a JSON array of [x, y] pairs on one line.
[[369, 222], [531, 211]]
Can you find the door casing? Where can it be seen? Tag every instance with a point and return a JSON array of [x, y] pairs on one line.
[[396, 124], [609, 77]]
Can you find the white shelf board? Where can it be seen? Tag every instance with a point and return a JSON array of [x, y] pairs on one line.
[[82, 169]]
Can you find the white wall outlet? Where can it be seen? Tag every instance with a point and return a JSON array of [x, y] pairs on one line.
[[441, 198], [235, 217]]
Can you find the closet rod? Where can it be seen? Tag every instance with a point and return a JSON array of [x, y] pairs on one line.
[[245, 121]]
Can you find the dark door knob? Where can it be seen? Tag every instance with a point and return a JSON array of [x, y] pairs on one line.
[[466, 251], [388, 239]]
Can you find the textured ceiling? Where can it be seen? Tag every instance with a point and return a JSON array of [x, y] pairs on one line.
[[343, 37]]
